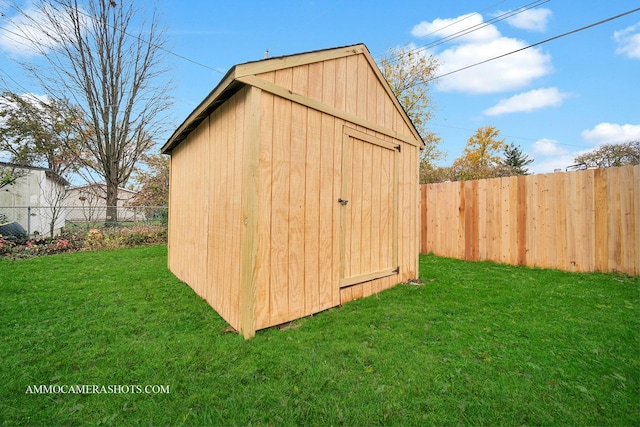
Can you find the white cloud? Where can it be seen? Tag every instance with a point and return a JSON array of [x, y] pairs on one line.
[[531, 20], [548, 147], [551, 164], [29, 33], [611, 133], [628, 41], [466, 28], [528, 101], [509, 73], [549, 155]]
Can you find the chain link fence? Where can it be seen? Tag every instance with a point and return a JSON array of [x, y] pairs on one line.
[[49, 221]]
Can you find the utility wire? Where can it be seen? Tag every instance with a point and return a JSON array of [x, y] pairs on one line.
[[511, 136], [156, 46], [469, 30], [460, 20], [535, 44]]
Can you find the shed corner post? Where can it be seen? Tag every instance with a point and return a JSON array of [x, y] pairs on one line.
[[249, 226]]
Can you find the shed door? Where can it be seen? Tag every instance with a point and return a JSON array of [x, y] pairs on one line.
[[369, 208]]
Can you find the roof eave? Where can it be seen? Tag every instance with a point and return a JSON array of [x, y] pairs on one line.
[[223, 91]]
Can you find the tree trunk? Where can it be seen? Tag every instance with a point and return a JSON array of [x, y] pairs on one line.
[[112, 204]]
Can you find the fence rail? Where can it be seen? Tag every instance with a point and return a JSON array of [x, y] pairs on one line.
[[52, 220], [576, 221]]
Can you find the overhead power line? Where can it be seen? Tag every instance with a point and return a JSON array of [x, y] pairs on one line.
[[159, 47], [512, 136], [469, 30], [536, 44]]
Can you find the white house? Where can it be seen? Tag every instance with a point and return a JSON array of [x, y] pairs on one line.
[[34, 200], [88, 203]]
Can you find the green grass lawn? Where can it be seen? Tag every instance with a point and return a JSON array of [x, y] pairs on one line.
[[480, 344]]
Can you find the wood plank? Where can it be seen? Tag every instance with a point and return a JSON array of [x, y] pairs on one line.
[[263, 257], [345, 211], [475, 219], [550, 221], [371, 139], [366, 213], [326, 243], [376, 202], [249, 214], [573, 220], [495, 221], [386, 207], [628, 221], [396, 209], [425, 228], [614, 220], [218, 156], [482, 219], [238, 123], [356, 201], [338, 176], [371, 94], [350, 281], [601, 215], [226, 131], [543, 225], [588, 241], [362, 90], [328, 177], [521, 239], [282, 62], [415, 175], [312, 195], [505, 219], [299, 128], [560, 241], [513, 219], [636, 219], [279, 295]]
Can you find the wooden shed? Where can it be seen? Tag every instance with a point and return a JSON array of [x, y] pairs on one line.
[[294, 188]]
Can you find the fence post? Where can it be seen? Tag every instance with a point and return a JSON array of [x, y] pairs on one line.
[[28, 221]]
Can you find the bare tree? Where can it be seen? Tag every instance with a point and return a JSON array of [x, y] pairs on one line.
[[53, 193], [106, 57]]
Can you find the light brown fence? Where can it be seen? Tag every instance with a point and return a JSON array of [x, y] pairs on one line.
[[576, 221]]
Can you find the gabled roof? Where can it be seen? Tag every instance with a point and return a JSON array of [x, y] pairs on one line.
[[241, 75], [49, 173], [100, 185]]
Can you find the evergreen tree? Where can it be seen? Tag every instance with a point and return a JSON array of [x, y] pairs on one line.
[[515, 159]]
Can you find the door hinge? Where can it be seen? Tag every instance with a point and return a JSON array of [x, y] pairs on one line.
[[399, 148], [397, 270]]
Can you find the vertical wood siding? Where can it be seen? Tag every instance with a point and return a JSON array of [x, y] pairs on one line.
[[575, 221], [205, 209]]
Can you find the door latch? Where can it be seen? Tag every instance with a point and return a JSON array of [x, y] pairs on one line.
[[343, 202]]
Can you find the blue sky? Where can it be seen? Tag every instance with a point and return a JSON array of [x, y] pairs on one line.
[[555, 100]]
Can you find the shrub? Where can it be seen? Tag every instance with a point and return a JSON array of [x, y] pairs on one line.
[[94, 239]]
